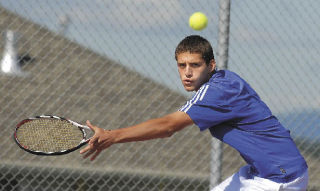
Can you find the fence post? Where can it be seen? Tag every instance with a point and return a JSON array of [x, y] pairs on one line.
[[222, 58]]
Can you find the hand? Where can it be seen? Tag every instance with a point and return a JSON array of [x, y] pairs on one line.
[[101, 140]]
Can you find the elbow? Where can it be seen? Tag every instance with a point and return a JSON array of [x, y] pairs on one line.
[[170, 125], [170, 131], [165, 132]]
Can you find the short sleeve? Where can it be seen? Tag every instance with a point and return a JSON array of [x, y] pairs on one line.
[[209, 107]]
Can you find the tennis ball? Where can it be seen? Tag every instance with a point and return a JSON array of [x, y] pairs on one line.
[[198, 21]]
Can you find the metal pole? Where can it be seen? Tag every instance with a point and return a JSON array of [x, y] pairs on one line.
[[223, 41], [9, 62], [222, 58]]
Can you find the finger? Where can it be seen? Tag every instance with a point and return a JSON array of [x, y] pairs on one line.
[[92, 127], [90, 146], [89, 124], [85, 149], [95, 155], [93, 140], [100, 141], [89, 153], [104, 146]]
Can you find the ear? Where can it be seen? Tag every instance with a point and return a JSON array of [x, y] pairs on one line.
[[212, 65]]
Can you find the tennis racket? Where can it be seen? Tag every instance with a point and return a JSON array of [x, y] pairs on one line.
[[50, 135]]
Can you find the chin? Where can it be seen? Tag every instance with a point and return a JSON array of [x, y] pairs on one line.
[[189, 89]]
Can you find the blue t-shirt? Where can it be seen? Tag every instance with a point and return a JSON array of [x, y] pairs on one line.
[[235, 114]]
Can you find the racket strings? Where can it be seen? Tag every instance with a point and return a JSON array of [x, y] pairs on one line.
[[49, 135]]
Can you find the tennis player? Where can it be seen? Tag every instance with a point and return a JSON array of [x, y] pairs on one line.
[[232, 111]]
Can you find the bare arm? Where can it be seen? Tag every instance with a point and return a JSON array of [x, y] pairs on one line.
[[151, 129]]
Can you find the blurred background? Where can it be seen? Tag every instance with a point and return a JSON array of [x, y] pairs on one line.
[[112, 62]]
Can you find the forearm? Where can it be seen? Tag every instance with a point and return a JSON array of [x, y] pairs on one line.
[[151, 129]]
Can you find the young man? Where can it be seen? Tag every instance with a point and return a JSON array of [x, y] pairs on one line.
[[233, 112]]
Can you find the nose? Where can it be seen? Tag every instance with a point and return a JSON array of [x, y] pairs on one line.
[[188, 72]]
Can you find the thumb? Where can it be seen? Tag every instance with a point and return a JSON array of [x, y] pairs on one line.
[[95, 129], [92, 127]]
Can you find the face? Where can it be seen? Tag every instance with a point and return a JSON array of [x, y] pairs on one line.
[[193, 70]]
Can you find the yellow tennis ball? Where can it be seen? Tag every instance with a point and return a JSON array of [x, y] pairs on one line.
[[198, 21]]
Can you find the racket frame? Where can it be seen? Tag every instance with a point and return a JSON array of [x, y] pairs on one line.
[[62, 152]]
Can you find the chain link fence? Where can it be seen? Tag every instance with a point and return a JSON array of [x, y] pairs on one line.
[[112, 62]]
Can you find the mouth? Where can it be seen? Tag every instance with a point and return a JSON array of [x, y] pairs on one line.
[[187, 82]]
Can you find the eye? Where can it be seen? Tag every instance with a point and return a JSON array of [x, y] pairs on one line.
[[181, 65], [195, 65]]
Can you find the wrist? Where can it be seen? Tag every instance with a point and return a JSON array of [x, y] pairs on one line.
[[113, 135]]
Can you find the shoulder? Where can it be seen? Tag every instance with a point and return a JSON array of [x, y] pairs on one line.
[[225, 76], [223, 86], [227, 81], [224, 80]]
